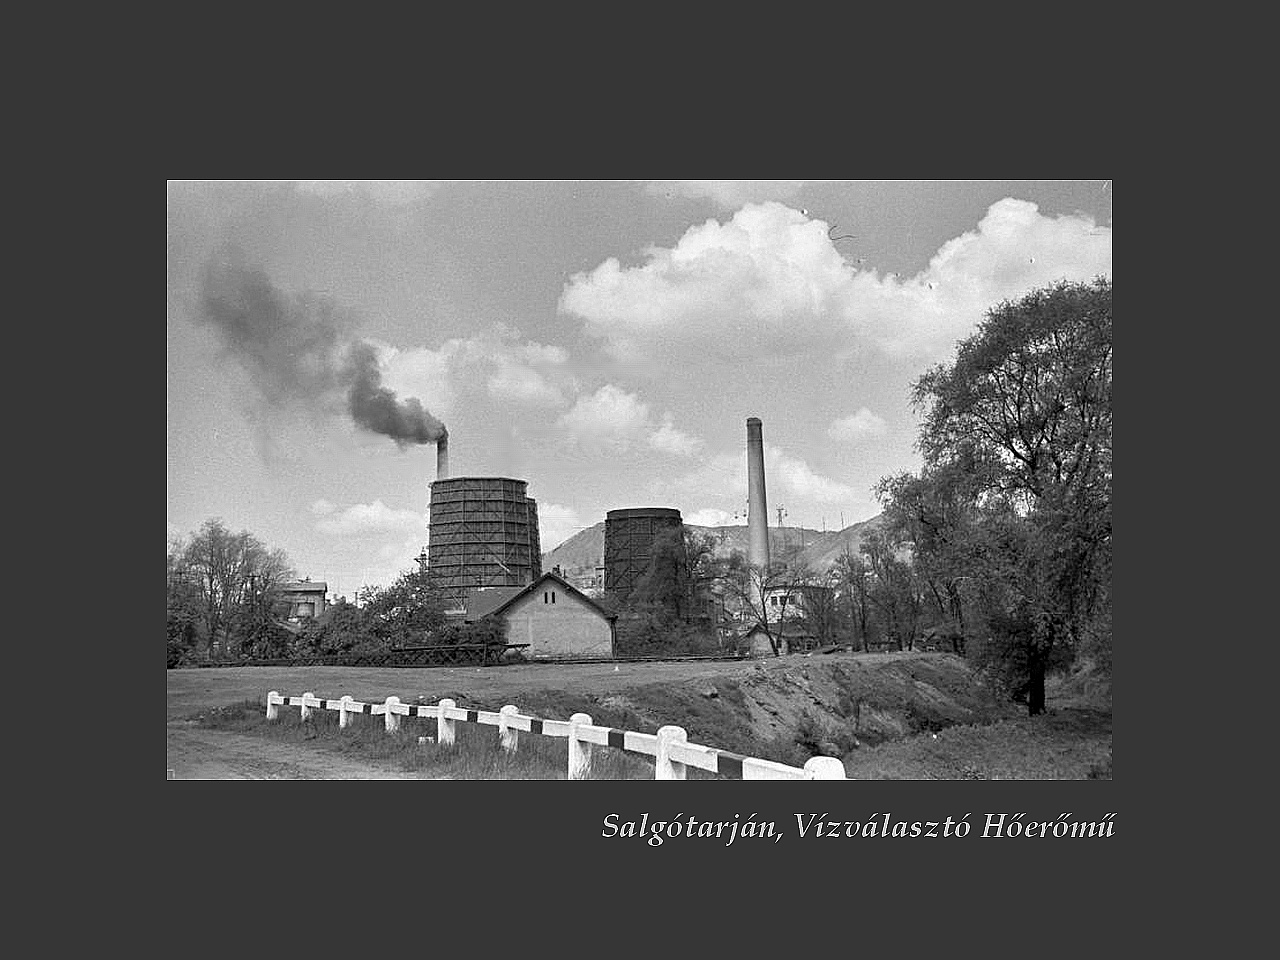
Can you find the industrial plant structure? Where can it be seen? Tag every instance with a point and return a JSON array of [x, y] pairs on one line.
[[483, 531], [757, 505], [630, 540]]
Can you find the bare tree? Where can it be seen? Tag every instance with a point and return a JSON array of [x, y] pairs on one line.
[[752, 588], [234, 577]]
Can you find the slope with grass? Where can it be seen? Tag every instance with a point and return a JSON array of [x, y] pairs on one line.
[[886, 715]]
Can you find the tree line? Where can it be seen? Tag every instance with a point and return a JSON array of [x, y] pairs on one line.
[[1000, 547], [225, 603]]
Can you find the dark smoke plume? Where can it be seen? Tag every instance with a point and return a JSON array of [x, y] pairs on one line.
[[293, 350], [375, 407]]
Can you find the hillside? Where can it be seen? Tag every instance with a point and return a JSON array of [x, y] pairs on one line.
[[584, 551]]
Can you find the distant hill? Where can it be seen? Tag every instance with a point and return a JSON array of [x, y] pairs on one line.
[[822, 553], [584, 551]]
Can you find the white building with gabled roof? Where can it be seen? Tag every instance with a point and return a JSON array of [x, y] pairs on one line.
[[551, 615]]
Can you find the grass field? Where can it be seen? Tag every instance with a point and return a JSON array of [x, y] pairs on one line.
[[217, 716], [475, 755]]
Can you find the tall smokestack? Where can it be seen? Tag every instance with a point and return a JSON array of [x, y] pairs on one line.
[[442, 456], [757, 508]]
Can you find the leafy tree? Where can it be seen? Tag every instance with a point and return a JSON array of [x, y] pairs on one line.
[[895, 589], [341, 629], [937, 517], [183, 607], [665, 585], [702, 555], [1016, 485], [221, 587], [409, 612], [851, 574], [657, 617]]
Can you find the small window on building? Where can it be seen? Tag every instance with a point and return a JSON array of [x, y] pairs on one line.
[[544, 596], [553, 596]]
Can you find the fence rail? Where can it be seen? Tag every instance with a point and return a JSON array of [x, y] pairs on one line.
[[670, 747]]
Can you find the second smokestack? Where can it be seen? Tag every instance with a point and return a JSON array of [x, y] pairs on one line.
[[442, 456], [757, 508]]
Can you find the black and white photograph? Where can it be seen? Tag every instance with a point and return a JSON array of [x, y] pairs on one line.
[[639, 480]]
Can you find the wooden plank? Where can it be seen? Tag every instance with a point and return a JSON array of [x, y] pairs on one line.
[[693, 755], [555, 728], [753, 768], [646, 743]]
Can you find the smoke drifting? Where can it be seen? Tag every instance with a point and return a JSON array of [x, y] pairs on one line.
[[293, 350], [376, 408]]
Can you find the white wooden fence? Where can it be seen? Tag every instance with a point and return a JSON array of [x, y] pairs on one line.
[[672, 753]]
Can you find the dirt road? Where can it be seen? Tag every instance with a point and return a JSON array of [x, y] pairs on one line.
[[196, 754]]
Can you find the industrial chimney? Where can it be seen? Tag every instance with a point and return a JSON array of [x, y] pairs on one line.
[[757, 508], [442, 456]]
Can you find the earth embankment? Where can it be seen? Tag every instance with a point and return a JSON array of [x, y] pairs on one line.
[[784, 708]]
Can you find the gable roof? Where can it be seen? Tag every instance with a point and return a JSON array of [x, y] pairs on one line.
[[538, 584], [482, 601]]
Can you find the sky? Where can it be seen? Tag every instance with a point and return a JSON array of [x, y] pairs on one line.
[[604, 340]]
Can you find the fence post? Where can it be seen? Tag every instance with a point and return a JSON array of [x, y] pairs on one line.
[[445, 728], [393, 719], [273, 708], [579, 750], [344, 713], [664, 768], [306, 711], [508, 736], [824, 768]]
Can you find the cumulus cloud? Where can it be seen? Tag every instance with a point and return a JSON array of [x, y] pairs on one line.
[[799, 480], [419, 372], [368, 518], [668, 439], [857, 426], [511, 368], [556, 524], [322, 508], [788, 479], [770, 281], [610, 416], [523, 384], [615, 419], [709, 517]]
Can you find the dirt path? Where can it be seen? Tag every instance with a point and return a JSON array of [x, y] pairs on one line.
[[198, 754]]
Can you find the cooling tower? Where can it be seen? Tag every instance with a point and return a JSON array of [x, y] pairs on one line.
[[629, 540], [483, 532]]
